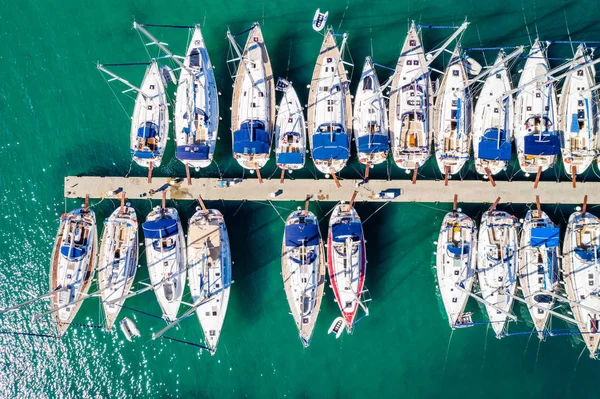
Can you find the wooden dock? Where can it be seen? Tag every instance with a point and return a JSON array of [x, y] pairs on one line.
[[468, 191]]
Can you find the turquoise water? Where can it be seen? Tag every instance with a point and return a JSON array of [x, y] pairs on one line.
[[60, 118]]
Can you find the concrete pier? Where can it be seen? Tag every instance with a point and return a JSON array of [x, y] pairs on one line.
[[324, 190]]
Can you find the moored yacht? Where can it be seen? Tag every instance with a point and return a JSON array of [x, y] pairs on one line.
[[290, 129]]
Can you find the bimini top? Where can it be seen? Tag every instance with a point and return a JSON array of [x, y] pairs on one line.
[[331, 142], [72, 253], [161, 228], [545, 144], [373, 143], [252, 138], [544, 236], [148, 131], [493, 145], [341, 231], [290, 158], [458, 250], [297, 235], [192, 152]]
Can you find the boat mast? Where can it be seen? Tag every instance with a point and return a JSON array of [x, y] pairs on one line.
[[161, 46], [495, 68], [439, 51], [240, 56], [120, 79]]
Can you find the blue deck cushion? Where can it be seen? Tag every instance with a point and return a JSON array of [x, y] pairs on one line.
[[145, 154], [72, 253], [161, 228], [587, 255], [289, 158], [547, 144], [194, 152], [341, 231], [544, 236], [328, 145], [493, 148], [297, 235], [574, 123], [147, 131], [251, 138], [458, 250], [373, 143]]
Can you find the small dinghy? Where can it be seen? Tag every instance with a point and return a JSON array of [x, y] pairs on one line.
[[129, 329], [165, 256], [347, 261], [209, 271], [538, 266], [118, 260], [303, 270], [497, 265], [319, 20], [370, 118], [578, 112], [538, 142], [72, 265], [290, 129], [456, 258], [337, 327], [581, 273]]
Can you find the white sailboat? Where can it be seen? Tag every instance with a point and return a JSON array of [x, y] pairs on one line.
[[456, 257], [209, 271], [72, 265], [411, 103], [118, 260], [370, 118], [453, 117], [497, 265], [347, 261], [578, 115], [538, 266], [290, 129], [581, 273], [166, 258], [253, 102], [538, 142], [303, 270], [330, 109], [493, 121]]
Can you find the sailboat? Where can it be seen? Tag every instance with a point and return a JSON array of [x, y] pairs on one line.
[[370, 118], [253, 102], [538, 143], [493, 121], [411, 101], [578, 115], [456, 257], [453, 117], [497, 248], [290, 129], [209, 271], [330, 109], [538, 266], [303, 270], [166, 258], [581, 273], [347, 261], [118, 260], [72, 264]]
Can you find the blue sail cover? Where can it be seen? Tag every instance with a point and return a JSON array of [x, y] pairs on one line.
[[296, 158], [548, 144], [341, 231], [72, 253], [328, 146], [544, 236], [251, 139], [147, 131], [194, 152], [373, 143], [297, 235], [494, 148], [161, 228], [575, 123], [588, 255]]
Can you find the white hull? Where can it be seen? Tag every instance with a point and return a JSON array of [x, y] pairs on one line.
[[290, 132]]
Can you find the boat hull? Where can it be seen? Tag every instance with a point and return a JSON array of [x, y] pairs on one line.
[[290, 132]]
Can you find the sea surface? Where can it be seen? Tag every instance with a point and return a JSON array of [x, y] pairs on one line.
[[59, 116]]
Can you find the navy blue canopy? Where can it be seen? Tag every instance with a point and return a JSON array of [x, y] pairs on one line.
[[72, 253], [251, 138], [544, 235], [160, 228], [458, 250], [290, 158], [192, 152], [341, 231], [328, 146], [147, 131], [373, 143], [493, 145], [145, 154], [547, 144], [587, 255], [297, 235]]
